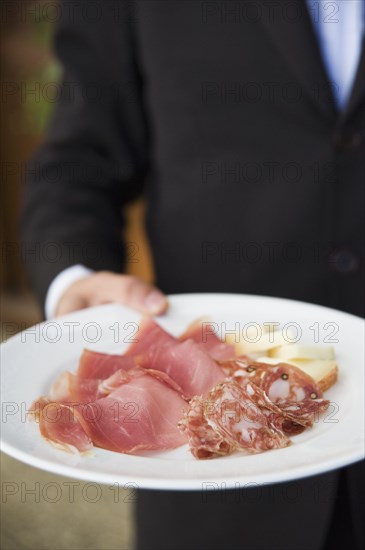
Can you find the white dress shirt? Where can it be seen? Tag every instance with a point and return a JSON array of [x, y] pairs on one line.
[[60, 283], [339, 26]]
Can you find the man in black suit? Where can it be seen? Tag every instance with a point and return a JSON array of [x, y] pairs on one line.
[[223, 115]]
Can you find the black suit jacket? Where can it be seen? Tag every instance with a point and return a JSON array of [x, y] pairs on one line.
[[222, 115]]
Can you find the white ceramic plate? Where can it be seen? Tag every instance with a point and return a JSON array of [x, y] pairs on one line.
[[32, 359]]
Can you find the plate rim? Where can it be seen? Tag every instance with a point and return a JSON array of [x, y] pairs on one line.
[[188, 483]]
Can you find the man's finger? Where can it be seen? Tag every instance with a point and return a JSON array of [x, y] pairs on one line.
[[132, 292]]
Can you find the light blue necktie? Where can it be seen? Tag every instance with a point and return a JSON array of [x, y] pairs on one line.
[[339, 26]]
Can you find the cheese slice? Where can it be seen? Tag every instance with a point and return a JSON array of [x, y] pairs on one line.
[[259, 339], [297, 351]]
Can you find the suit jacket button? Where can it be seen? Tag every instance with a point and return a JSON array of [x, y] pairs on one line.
[[344, 261]]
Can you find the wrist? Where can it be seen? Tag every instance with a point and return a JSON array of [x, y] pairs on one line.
[[60, 285]]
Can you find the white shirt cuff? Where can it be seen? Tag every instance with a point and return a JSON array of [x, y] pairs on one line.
[[60, 284]]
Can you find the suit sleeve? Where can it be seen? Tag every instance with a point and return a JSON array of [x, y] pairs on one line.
[[95, 155]]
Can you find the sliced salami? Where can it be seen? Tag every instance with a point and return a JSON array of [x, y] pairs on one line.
[[291, 389], [204, 441], [231, 418], [237, 416]]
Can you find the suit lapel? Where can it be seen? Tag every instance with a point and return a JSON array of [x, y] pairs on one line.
[[294, 37]]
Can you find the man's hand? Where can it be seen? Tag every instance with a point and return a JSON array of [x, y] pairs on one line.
[[104, 287]]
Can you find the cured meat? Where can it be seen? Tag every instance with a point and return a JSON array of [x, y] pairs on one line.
[[72, 389], [238, 368], [148, 336], [138, 401], [204, 441], [201, 333], [69, 388], [187, 364], [62, 425], [234, 414], [36, 408], [277, 417], [141, 414], [291, 389], [102, 365], [122, 377]]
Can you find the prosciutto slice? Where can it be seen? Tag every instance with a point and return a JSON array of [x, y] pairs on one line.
[[102, 365], [69, 388], [187, 364], [141, 414], [139, 410], [62, 425], [36, 408], [201, 333], [148, 336], [122, 377]]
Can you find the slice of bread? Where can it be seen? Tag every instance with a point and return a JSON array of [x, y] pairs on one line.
[[323, 371]]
